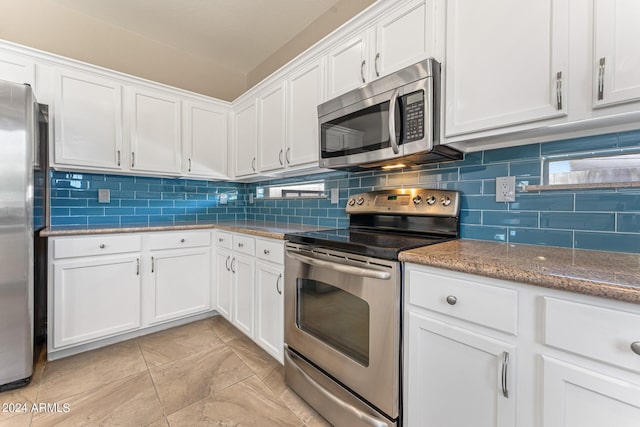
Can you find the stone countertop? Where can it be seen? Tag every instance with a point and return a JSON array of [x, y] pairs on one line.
[[272, 230], [603, 274]]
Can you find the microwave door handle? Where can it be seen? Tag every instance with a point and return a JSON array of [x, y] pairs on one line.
[[342, 268], [392, 121]]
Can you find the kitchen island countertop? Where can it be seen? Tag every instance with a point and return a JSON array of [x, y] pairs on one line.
[[612, 275]]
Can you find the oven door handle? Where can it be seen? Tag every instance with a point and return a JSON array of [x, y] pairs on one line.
[[342, 268]]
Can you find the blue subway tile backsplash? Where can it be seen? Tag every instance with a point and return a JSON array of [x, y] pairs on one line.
[[588, 219]]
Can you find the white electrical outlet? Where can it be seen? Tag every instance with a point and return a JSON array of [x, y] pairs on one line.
[[104, 195], [335, 194], [506, 189]]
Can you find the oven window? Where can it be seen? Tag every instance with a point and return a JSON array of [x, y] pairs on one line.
[[362, 131], [335, 317]]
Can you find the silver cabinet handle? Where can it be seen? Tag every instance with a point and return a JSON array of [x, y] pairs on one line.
[[280, 157], [278, 284], [505, 371], [392, 121], [601, 79], [133, 159], [226, 263], [220, 239], [153, 264], [189, 165], [253, 164], [182, 240], [342, 268], [266, 251], [559, 90], [118, 157], [375, 64], [287, 155], [241, 245], [137, 266], [233, 270], [362, 71], [635, 347], [452, 300], [102, 246]]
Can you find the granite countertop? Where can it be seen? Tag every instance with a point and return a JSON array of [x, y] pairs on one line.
[[604, 274], [272, 230]]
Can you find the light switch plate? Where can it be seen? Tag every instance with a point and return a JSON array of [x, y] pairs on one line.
[[104, 195], [506, 189], [335, 194], [251, 198]]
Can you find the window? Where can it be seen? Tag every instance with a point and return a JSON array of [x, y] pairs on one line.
[[592, 168], [285, 191]]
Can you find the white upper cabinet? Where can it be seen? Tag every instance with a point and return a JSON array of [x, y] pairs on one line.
[[347, 65], [155, 132], [305, 91], [87, 121], [271, 140], [246, 137], [17, 69], [405, 37], [402, 37], [506, 63], [616, 53], [204, 149]]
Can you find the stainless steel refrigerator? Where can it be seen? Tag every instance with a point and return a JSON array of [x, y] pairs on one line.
[[23, 196]]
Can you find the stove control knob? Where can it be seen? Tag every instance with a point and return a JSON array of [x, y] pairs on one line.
[[351, 202], [417, 200], [446, 201], [431, 200], [360, 200]]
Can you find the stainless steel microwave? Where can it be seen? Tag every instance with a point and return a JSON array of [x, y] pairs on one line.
[[392, 122]]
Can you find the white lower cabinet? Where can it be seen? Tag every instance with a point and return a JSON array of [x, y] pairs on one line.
[[105, 286], [95, 297], [249, 280], [571, 361], [178, 284]]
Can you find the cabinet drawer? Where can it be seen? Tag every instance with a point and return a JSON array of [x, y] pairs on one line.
[[95, 245], [177, 239], [223, 239], [595, 332], [270, 250], [244, 244], [475, 302]]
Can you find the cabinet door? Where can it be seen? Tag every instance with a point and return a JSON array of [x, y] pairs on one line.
[[155, 132], [305, 92], [270, 314], [178, 284], [405, 37], [347, 65], [243, 293], [579, 397], [506, 63], [205, 142], [17, 69], [88, 121], [95, 298], [457, 378], [272, 129], [616, 55], [246, 135], [224, 282]]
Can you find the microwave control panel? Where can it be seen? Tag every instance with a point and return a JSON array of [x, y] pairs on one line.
[[414, 116]]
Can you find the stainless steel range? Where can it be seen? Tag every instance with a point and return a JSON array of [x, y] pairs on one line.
[[343, 303]]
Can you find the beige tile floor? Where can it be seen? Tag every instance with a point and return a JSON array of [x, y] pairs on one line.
[[201, 374]]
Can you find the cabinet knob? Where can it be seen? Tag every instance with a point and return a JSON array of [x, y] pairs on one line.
[[266, 251], [182, 240], [102, 246], [635, 347], [220, 239], [451, 300], [241, 245]]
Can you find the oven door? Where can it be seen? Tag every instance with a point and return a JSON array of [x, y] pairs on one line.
[[342, 313]]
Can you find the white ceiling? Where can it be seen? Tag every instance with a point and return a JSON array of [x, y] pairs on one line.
[[239, 34]]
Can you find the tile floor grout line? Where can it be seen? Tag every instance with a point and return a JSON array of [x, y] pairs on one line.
[[164, 414]]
